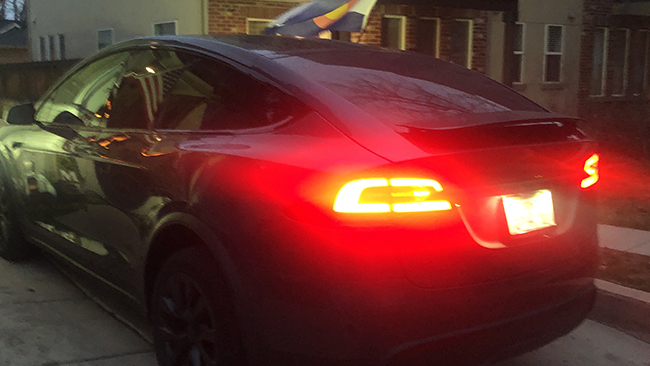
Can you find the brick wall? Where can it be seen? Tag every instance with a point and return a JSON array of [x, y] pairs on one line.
[[229, 16], [372, 33]]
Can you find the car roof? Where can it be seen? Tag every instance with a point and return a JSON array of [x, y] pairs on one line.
[[261, 54], [272, 46], [245, 46], [271, 57]]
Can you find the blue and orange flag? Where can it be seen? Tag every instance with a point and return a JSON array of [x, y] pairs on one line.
[[309, 19]]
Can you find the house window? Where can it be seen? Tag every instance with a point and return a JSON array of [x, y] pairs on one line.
[[428, 36], [599, 62], [62, 46], [342, 36], [52, 49], [639, 63], [553, 53], [43, 50], [104, 38], [461, 42], [618, 56], [393, 31], [520, 36], [256, 26], [164, 29]]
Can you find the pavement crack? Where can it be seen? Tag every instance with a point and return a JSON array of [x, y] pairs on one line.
[[24, 302], [99, 358]]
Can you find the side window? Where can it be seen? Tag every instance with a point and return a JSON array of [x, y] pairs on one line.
[[203, 94], [148, 76], [85, 94]]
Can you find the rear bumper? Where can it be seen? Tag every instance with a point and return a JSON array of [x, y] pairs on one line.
[[420, 332], [498, 340], [335, 295], [381, 317]]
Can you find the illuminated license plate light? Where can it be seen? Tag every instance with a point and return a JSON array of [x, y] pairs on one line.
[[530, 212]]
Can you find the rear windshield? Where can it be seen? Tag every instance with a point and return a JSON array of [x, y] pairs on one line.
[[406, 89]]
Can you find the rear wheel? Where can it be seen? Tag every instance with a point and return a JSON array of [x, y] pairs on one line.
[[192, 314], [13, 245]]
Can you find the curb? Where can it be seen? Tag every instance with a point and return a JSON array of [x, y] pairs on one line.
[[623, 308]]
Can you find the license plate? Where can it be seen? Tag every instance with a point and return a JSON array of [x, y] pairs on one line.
[[529, 212]]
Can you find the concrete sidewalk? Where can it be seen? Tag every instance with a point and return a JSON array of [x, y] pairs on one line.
[[618, 306], [623, 239], [45, 320]]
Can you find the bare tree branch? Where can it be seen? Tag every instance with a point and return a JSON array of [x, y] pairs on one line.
[[3, 12], [13, 10]]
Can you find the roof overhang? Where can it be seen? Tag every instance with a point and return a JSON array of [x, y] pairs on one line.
[[490, 5]]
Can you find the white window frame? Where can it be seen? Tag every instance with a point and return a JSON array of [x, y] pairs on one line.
[[42, 48], [438, 28], [470, 40], [603, 81], [626, 62], [522, 53], [153, 27], [402, 29], [547, 53], [112, 30], [62, 55], [248, 20]]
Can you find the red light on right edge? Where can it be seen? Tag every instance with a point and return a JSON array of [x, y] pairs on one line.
[[592, 170]]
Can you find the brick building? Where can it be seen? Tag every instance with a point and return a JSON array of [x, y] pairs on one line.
[[427, 26], [575, 57], [501, 38], [614, 77]]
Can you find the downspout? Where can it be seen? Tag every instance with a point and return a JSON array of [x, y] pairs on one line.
[[205, 27], [30, 26]]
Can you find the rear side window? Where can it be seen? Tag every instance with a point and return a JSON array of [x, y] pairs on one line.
[[85, 94], [186, 92], [403, 89]]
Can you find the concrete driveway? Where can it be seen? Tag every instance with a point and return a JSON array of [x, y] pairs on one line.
[[45, 320]]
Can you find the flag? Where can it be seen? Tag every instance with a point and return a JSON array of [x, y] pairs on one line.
[[314, 17]]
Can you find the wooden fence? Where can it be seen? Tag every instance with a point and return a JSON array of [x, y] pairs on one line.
[[26, 82]]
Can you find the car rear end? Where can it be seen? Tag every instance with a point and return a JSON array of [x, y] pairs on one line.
[[476, 242], [510, 265], [505, 266]]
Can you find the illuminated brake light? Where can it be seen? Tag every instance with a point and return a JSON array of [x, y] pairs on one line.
[[408, 182], [348, 197], [422, 206], [592, 170], [397, 195]]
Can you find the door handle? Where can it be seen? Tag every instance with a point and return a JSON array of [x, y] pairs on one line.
[[17, 145]]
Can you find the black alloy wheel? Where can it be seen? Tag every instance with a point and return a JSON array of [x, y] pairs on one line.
[[192, 316], [13, 245]]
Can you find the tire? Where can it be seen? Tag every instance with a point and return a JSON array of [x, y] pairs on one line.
[[13, 245], [192, 315]]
